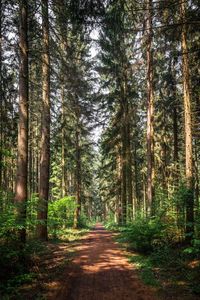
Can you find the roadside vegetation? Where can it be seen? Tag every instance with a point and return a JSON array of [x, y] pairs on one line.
[[23, 265], [162, 259]]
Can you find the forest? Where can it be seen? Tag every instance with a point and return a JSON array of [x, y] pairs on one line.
[[100, 123]]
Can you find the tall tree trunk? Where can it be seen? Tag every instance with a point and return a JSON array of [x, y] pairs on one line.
[[78, 180], [1, 100], [172, 72], [188, 129], [119, 185], [63, 139], [196, 186], [150, 108], [45, 128], [124, 168], [22, 162], [175, 137], [129, 173], [136, 203]]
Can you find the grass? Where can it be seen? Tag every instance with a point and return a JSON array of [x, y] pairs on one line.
[[145, 267], [68, 235]]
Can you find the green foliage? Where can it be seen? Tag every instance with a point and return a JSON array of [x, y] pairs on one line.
[[181, 194], [160, 258], [144, 264], [111, 225], [31, 218], [69, 234], [8, 223], [194, 249], [61, 214], [55, 178], [15, 263], [83, 221], [143, 235]]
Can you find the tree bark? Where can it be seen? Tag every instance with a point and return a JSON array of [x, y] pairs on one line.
[[123, 166], [1, 100], [63, 139], [45, 128], [129, 173], [189, 230], [78, 180], [22, 162], [150, 108]]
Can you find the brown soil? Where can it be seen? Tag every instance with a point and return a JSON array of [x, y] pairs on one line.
[[99, 271]]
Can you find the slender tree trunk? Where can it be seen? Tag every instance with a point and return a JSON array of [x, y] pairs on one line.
[[129, 174], [36, 188], [188, 129], [119, 183], [22, 162], [175, 124], [150, 108], [45, 127], [136, 203], [124, 172], [196, 167], [63, 139], [78, 180], [1, 100], [30, 156], [175, 134]]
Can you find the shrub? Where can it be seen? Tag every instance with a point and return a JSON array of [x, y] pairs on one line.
[[61, 214], [143, 235]]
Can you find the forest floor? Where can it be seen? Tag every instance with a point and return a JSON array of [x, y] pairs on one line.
[[95, 267]]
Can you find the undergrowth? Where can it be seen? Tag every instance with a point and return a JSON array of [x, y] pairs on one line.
[[17, 262], [159, 256]]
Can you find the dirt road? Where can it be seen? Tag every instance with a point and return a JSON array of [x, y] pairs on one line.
[[100, 271]]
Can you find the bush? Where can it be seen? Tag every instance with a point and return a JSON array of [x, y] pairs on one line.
[[61, 214], [144, 235]]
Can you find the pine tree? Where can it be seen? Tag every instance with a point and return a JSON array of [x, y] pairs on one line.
[[22, 164], [45, 127]]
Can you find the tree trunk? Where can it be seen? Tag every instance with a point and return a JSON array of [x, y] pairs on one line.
[[78, 181], [150, 108], [119, 185], [129, 174], [188, 130], [45, 128], [196, 185], [63, 140], [136, 200], [22, 162], [1, 100], [124, 170]]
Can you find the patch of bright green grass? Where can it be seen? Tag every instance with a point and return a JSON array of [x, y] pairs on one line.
[[69, 234]]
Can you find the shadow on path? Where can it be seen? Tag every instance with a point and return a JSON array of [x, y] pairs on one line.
[[100, 271]]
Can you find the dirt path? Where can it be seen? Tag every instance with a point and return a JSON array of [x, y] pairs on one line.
[[100, 271]]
